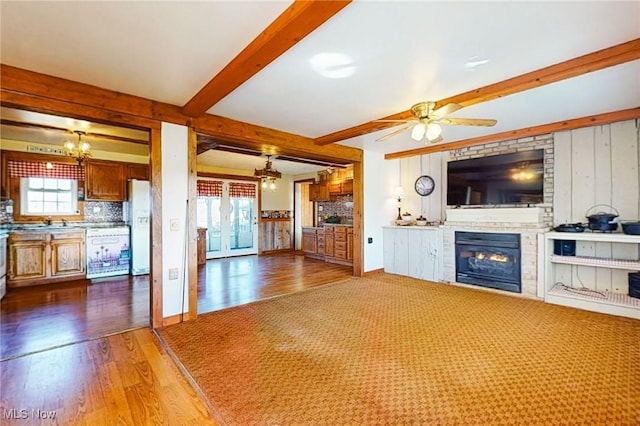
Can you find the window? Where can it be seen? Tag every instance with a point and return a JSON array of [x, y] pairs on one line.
[[48, 196]]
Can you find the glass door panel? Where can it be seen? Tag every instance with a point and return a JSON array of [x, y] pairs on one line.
[[232, 224]]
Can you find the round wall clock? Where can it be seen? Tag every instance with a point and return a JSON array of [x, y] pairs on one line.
[[425, 185]]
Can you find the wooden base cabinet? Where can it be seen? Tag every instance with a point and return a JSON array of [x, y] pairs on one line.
[[275, 235], [42, 257], [414, 251], [339, 244]]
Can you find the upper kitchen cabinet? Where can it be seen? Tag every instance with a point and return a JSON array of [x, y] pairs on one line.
[[105, 181], [319, 191], [137, 171], [344, 187]]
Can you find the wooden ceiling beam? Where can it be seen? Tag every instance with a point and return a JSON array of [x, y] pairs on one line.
[[295, 23], [36, 126], [558, 126], [594, 61], [37, 92]]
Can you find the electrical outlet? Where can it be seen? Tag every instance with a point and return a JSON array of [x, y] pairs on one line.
[[370, 240], [320, 208], [174, 225], [173, 273]]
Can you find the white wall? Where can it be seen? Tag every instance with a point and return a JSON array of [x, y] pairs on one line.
[[379, 207], [175, 180], [281, 198]]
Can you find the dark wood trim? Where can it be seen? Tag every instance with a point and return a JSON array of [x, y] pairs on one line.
[[155, 277], [611, 56], [227, 176], [295, 23], [175, 319], [558, 126], [69, 132]]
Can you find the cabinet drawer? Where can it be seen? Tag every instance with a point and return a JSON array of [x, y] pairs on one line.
[[340, 254], [341, 245], [18, 236], [341, 237]]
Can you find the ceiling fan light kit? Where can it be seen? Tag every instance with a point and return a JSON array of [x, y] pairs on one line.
[[428, 121]]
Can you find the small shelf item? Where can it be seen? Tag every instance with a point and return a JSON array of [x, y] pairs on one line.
[[626, 264]]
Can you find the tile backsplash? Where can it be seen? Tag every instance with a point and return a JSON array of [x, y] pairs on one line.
[[94, 211], [342, 206], [6, 211]]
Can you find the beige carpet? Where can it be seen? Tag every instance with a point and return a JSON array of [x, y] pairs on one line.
[[392, 350]]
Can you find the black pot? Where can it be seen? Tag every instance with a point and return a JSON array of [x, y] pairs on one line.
[[601, 221], [631, 228], [569, 227], [603, 226]]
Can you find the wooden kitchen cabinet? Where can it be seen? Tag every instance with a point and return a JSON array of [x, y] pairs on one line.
[[310, 242], [67, 253], [329, 241], [344, 187], [105, 181], [342, 245], [27, 257], [319, 191], [137, 171], [45, 256], [275, 235]]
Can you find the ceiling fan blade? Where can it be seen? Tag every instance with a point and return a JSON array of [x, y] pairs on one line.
[[397, 132], [468, 122], [445, 110], [394, 121]]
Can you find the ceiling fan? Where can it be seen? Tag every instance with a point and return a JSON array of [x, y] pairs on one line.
[[427, 121]]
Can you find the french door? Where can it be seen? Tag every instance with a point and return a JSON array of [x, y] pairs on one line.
[[228, 209]]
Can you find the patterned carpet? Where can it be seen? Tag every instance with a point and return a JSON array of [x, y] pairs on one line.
[[392, 350]]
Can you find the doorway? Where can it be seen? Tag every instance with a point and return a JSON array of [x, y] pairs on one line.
[[303, 210], [228, 209]]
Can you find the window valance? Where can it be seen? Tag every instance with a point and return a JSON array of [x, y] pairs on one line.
[[23, 169], [209, 188], [242, 190]]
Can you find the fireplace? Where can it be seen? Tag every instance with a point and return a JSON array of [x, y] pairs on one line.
[[488, 260]]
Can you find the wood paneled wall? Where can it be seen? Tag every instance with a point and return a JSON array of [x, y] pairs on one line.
[[435, 165], [597, 165]]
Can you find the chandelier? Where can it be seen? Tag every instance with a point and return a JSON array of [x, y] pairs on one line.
[[79, 150], [268, 175]]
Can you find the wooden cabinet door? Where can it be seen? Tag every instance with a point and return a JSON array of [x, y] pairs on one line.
[[319, 192], [350, 244], [67, 257], [27, 259], [309, 243], [329, 240], [105, 181], [346, 187], [137, 171]]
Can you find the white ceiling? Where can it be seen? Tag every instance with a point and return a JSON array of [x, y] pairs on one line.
[[402, 52]]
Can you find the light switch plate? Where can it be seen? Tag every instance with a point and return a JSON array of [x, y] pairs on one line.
[[174, 225], [173, 273]]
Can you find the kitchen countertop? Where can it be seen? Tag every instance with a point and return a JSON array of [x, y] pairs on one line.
[[70, 225]]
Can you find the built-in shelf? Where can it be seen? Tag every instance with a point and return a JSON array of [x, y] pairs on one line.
[[629, 265], [592, 300]]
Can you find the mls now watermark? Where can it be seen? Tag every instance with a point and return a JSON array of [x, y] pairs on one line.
[[23, 414]]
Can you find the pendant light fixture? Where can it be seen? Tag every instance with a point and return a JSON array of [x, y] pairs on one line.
[[268, 175], [79, 150]]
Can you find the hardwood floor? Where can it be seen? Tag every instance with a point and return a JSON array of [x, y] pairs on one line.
[[56, 361], [238, 280], [127, 378], [46, 316]]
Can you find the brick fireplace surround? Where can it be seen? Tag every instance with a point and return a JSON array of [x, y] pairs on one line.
[[527, 221]]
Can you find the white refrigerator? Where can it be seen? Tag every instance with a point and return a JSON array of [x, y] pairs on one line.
[[140, 224]]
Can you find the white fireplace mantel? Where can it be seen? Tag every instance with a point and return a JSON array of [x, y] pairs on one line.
[[520, 215]]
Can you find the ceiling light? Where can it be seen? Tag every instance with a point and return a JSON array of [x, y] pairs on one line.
[[418, 132], [433, 131], [79, 150], [268, 171], [332, 65]]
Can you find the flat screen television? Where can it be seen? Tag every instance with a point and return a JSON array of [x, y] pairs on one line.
[[514, 178]]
